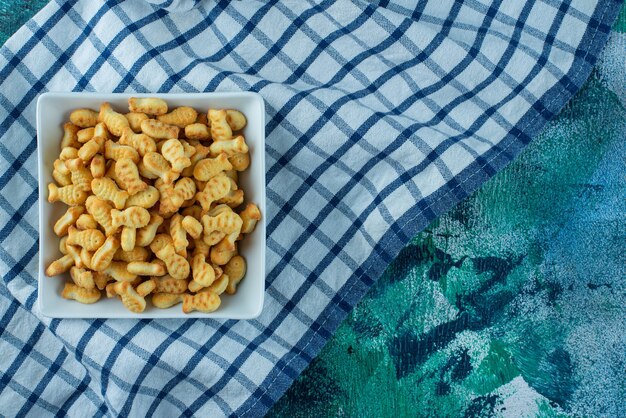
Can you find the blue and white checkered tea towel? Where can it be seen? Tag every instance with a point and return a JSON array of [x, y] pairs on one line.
[[381, 116]]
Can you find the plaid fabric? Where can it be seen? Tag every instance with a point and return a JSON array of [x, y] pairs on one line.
[[381, 116]]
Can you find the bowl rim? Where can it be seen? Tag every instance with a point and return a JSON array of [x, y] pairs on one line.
[[170, 313]]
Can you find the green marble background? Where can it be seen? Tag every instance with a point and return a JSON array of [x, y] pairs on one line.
[[512, 304]]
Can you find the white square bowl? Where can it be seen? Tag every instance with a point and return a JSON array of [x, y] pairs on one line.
[[53, 109]]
